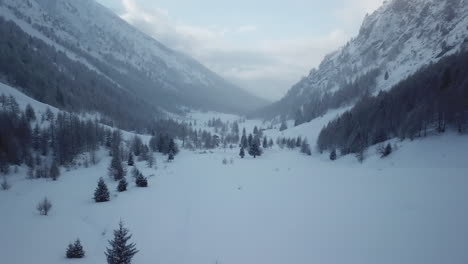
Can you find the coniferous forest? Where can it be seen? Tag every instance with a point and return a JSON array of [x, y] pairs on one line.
[[432, 100]]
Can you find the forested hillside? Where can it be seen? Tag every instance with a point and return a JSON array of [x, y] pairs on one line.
[[432, 100]]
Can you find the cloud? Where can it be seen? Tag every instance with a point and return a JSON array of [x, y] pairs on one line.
[[352, 12], [266, 67]]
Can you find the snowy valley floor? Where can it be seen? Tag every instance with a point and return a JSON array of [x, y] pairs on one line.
[[281, 208]]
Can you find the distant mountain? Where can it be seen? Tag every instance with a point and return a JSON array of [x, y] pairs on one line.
[[394, 42], [119, 56]]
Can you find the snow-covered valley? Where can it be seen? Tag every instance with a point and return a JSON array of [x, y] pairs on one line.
[[283, 207]]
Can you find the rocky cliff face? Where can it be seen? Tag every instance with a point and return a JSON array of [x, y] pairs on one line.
[[398, 39]]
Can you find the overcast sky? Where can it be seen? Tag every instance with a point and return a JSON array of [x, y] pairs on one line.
[[264, 46]]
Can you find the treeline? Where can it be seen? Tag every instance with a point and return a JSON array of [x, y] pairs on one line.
[[53, 78], [432, 99], [45, 142], [349, 92]]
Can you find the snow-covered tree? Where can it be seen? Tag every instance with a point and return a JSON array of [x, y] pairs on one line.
[[122, 187], [141, 181], [242, 153], [255, 150], [116, 170], [121, 251], [101, 194], [333, 154], [54, 171], [75, 250], [130, 161]]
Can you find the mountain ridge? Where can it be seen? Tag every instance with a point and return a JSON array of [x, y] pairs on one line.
[[397, 40], [97, 37]]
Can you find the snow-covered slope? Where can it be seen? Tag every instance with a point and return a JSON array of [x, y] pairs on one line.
[[93, 35], [398, 39], [283, 207]]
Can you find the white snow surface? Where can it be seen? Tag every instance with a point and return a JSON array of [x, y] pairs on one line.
[[283, 207]]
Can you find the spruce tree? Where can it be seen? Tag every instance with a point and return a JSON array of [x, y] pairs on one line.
[[265, 143], [116, 170], [387, 151], [122, 187], [171, 156], [333, 154], [75, 250], [130, 161], [120, 251], [102, 193], [151, 161], [242, 153], [255, 150], [54, 171], [141, 181], [305, 148]]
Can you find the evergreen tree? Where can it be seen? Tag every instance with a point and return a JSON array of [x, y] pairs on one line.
[[265, 143], [305, 147], [75, 250], [141, 181], [54, 171], [30, 114], [255, 150], [130, 160], [244, 143], [120, 251], [250, 141], [242, 153], [333, 154], [270, 143], [102, 193], [387, 151], [173, 147], [151, 160], [116, 170], [122, 187], [170, 157]]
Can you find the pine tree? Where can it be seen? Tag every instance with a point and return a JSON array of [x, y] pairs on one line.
[[116, 170], [387, 151], [333, 154], [30, 114], [305, 147], [255, 150], [150, 161], [102, 193], [141, 181], [122, 187], [54, 171], [75, 250], [173, 147], [120, 251], [244, 143], [265, 143], [171, 156], [130, 161], [242, 153]]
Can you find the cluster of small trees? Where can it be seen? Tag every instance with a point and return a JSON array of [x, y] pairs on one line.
[[121, 251], [253, 143], [428, 101], [293, 143]]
